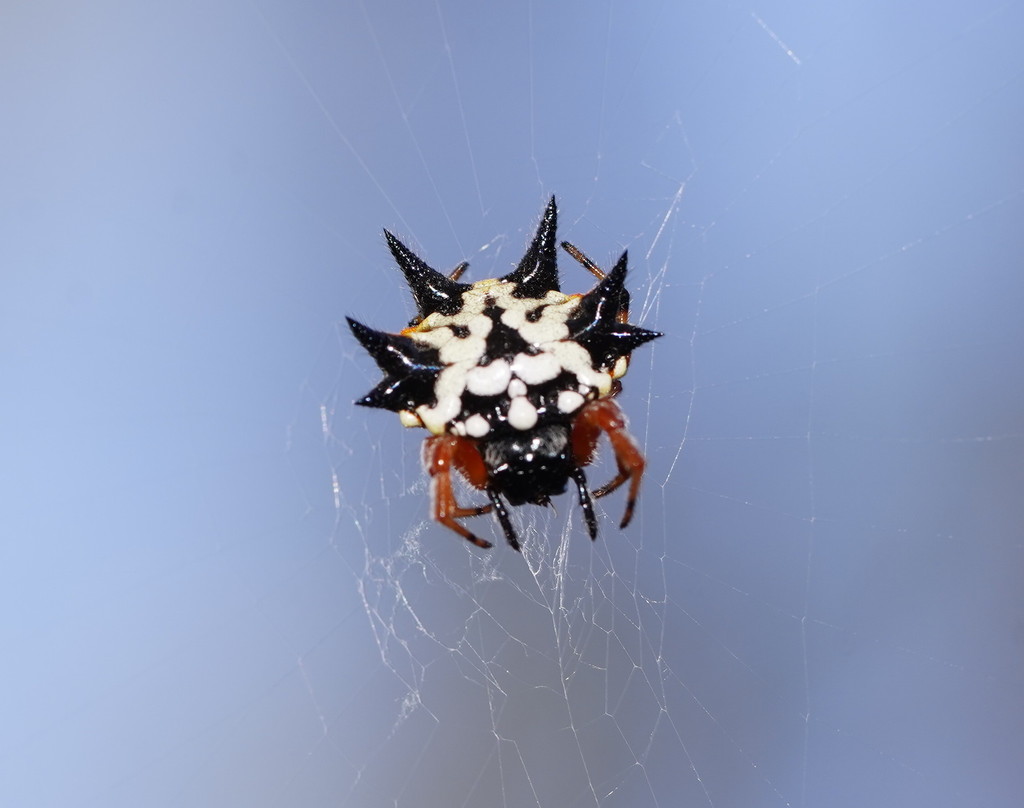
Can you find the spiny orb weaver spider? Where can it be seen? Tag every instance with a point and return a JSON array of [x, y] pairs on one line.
[[514, 380]]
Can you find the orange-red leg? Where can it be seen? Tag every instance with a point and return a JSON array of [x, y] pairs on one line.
[[441, 453], [600, 416]]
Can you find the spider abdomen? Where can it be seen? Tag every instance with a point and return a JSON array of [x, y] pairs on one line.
[[505, 360]]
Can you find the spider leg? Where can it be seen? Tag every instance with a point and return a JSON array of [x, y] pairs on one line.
[[586, 505], [456, 273], [506, 523], [588, 265], [604, 415], [440, 454]]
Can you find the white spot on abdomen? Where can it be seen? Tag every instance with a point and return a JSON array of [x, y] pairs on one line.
[[522, 414], [537, 369], [569, 401], [489, 380], [477, 426]]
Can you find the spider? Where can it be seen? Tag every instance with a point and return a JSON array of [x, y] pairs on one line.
[[514, 380]]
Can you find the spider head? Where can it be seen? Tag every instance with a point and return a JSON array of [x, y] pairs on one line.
[[530, 466]]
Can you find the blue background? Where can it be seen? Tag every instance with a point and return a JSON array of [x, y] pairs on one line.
[[218, 584]]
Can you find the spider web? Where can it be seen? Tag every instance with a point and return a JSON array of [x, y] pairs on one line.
[[818, 601], [692, 660]]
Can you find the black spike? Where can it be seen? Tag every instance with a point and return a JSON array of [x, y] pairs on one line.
[[432, 291], [410, 369], [596, 326], [537, 273], [599, 308], [622, 340]]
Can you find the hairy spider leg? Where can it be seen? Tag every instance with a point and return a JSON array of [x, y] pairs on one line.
[[440, 454], [589, 265], [456, 273], [604, 415]]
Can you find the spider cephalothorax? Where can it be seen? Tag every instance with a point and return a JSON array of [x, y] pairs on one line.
[[514, 380]]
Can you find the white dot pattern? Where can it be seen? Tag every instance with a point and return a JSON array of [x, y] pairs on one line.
[[509, 385]]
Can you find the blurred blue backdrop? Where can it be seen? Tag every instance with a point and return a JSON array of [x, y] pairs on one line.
[[218, 583]]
